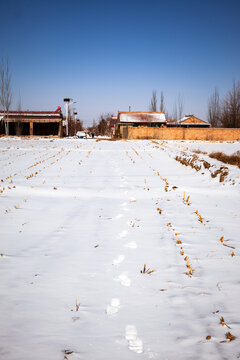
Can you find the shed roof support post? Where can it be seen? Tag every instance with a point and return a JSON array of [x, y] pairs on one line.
[[60, 129], [7, 128], [31, 128]]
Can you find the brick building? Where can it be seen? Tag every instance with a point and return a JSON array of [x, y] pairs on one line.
[[189, 121]]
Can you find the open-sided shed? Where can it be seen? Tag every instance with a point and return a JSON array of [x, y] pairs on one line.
[[39, 123]]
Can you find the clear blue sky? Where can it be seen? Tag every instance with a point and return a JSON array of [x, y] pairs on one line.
[[108, 55]]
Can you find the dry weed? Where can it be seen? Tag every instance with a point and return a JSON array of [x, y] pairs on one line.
[[233, 159], [197, 151], [147, 271]]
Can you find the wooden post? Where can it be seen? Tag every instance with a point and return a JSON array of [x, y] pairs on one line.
[[7, 128], [60, 129], [31, 128]]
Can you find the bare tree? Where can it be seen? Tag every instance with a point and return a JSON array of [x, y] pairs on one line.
[[18, 124], [2, 83], [177, 113], [153, 104], [5, 86], [103, 127], [231, 107], [2, 102], [214, 109], [162, 104], [174, 112], [180, 106], [5, 89]]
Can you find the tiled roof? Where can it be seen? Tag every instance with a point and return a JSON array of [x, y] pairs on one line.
[[141, 117], [194, 119], [37, 115]]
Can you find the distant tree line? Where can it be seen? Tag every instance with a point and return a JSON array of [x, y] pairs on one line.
[[153, 103], [103, 126], [74, 125], [225, 112]]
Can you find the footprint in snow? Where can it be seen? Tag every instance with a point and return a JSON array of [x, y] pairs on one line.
[[124, 279], [119, 216], [123, 233], [114, 307], [134, 343], [131, 245], [124, 204], [118, 260]]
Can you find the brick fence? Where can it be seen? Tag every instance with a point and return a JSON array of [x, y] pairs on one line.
[[215, 134]]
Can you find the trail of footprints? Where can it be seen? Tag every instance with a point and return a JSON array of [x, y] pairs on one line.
[[133, 341], [190, 271]]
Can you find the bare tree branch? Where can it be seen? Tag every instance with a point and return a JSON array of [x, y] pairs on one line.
[[5, 86], [214, 109], [153, 104], [162, 104], [180, 105], [231, 107]]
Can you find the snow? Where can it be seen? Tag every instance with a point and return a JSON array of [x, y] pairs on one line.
[[227, 147], [142, 116], [115, 250]]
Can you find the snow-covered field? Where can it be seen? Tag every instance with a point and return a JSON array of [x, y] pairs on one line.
[[113, 250]]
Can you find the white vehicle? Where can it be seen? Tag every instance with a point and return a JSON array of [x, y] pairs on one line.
[[81, 135]]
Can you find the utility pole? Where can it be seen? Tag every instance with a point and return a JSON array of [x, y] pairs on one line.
[[75, 121], [67, 101]]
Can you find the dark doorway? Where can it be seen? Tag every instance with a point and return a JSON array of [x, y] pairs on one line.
[[46, 129]]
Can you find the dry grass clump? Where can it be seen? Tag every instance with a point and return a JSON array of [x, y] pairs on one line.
[[222, 172], [189, 266], [189, 161], [186, 199], [233, 159], [229, 336], [206, 164], [147, 271], [109, 139], [197, 163], [197, 151]]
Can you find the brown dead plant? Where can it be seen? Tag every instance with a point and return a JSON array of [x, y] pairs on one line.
[[233, 159], [186, 199], [147, 271]]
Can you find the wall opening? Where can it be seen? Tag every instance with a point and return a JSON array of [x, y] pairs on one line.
[[19, 129], [39, 129], [45, 129]]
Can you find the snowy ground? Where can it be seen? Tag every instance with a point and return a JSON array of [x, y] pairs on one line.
[[80, 218]]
